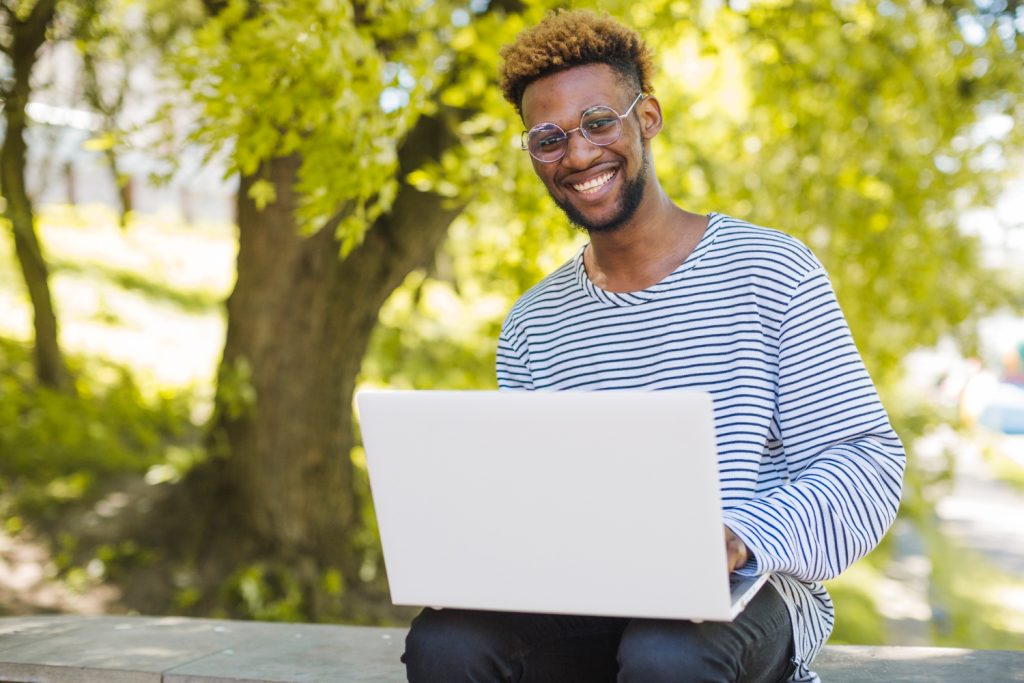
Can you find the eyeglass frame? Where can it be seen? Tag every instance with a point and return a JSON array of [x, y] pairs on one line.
[[524, 138]]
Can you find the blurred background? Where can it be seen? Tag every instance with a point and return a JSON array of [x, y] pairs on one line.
[[222, 218]]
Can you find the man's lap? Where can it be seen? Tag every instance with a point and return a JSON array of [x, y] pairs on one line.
[[462, 645]]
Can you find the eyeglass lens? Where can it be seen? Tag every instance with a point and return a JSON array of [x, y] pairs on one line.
[[600, 125]]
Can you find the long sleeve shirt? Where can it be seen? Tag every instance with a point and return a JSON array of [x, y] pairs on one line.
[[810, 469]]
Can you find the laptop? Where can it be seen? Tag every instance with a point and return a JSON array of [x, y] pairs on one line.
[[596, 503]]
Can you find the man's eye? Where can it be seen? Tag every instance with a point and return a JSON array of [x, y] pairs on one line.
[[600, 124], [550, 141]]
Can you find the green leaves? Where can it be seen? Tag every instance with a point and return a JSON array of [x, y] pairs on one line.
[[56, 446], [857, 126], [236, 395], [262, 192], [317, 78], [848, 126]]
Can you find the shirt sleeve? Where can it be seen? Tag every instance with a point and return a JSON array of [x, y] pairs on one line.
[[845, 463], [511, 365]]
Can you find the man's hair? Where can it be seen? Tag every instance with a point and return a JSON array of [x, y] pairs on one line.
[[568, 38]]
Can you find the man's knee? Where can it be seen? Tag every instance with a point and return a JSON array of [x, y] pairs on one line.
[[450, 645], [674, 652]]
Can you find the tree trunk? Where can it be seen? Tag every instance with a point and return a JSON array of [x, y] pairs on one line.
[[27, 37], [299, 322], [122, 182], [89, 40]]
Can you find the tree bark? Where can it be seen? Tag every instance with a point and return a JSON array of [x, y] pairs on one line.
[[108, 111], [299, 322], [26, 38], [122, 182], [279, 490]]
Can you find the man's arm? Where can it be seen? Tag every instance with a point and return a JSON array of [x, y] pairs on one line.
[[510, 363], [845, 461]]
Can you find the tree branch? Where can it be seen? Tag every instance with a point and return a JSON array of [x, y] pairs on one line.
[[34, 28]]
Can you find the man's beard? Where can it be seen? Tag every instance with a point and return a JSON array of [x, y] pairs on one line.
[[629, 202]]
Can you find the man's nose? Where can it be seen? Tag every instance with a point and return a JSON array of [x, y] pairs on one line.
[[579, 152]]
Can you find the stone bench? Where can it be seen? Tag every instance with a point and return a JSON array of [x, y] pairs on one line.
[[74, 649]]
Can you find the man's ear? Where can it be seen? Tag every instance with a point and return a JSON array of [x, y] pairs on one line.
[[649, 113]]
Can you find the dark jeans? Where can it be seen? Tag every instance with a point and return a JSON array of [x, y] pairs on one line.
[[452, 646]]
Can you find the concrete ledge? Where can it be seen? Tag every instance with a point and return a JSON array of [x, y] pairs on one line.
[[864, 664], [71, 649]]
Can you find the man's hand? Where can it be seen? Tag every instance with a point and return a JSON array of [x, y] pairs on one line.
[[735, 549]]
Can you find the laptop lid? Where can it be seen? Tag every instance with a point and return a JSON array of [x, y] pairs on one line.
[[602, 503]]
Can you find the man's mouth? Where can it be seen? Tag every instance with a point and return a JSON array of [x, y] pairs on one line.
[[594, 184]]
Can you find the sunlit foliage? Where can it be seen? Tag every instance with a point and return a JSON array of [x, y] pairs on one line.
[[863, 127]]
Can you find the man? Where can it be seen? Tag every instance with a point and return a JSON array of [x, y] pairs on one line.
[[661, 299]]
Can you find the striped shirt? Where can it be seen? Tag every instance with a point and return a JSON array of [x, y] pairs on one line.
[[811, 470]]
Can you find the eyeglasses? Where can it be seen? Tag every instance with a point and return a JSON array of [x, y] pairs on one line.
[[599, 125]]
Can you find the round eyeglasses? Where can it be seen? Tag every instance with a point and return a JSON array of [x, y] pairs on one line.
[[600, 125]]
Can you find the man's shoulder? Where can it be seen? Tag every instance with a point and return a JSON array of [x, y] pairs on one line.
[[737, 239], [556, 286]]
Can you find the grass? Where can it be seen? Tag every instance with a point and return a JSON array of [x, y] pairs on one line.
[[859, 620], [970, 602], [975, 604], [1004, 467], [148, 297], [197, 301]]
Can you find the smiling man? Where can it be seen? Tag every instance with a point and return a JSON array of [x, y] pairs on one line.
[[662, 299]]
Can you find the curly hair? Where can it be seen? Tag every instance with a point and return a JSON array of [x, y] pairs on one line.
[[568, 38]]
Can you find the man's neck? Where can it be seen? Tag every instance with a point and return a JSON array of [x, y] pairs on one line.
[[647, 249]]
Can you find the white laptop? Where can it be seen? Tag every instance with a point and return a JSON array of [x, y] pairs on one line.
[[599, 503]]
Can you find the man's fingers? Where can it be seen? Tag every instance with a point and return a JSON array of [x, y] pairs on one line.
[[735, 549]]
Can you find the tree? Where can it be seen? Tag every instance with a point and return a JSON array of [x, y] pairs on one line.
[[109, 46], [863, 135], [329, 226], [25, 29], [362, 131]]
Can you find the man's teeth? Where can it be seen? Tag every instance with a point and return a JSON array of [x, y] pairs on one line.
[[594, 183]]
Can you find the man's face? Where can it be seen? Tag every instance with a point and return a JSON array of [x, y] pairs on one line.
[[598, 188]]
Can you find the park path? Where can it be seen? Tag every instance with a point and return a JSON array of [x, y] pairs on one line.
[[981, 514], [984, 513]]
